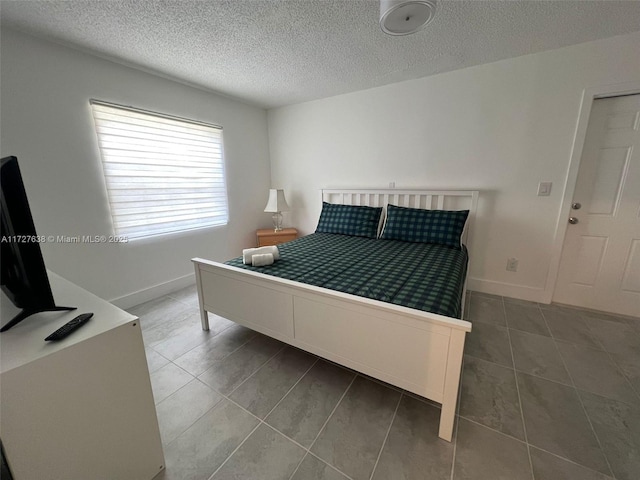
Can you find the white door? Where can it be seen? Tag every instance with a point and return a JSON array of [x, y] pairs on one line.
[[600, 263]]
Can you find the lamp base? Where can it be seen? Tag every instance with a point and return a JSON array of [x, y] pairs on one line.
[[277, 221]]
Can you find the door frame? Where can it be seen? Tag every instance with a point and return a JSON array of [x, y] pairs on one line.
[[589, 94]]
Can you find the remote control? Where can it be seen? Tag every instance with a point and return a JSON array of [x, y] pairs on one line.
[[69, 327]]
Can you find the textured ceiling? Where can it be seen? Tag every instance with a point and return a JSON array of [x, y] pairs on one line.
[[274, 53]]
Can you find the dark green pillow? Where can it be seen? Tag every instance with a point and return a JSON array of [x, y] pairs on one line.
[[356, 220], [425, 226]]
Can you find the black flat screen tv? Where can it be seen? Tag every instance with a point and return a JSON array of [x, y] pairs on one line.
[[24, 276]]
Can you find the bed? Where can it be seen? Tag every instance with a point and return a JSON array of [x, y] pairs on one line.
[[352, 324]]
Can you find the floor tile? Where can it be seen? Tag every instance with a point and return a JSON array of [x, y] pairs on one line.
[[616, 337], [489, 342], [517, 301], [226, 374], [260, 393], [159, 311], [490, 397], [555, 422], [353, 436], [188, 295], [265, 455], [629, 365], [487, 295], [413, 449], [568, 326], [617, 425], [558, 307], [426, 400], [526, 318], [202, 448], [550, 467], [594, 371], [155, 335], [305, 409], [487, 310], [200, 358], [635, 324], [200, 428], [168, 380], [609, 317], [191, 336], [538, 356], [484, 454], [314, 469], [180, 410], [155, 361]]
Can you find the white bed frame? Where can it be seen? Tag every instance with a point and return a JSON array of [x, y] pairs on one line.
[[411, 349]]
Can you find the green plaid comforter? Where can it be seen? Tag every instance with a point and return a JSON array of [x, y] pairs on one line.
[[423, 276]]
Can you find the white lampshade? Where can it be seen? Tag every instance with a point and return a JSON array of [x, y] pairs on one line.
[[277, 202], [402, 17]]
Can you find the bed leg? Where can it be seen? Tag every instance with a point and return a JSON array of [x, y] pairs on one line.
[[464, 300], [204, 318], [451, 384]]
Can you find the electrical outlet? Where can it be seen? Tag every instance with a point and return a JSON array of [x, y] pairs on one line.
[[512, 264], [392, 184]]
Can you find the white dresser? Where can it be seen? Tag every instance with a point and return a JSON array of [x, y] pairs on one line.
[[80, 408]]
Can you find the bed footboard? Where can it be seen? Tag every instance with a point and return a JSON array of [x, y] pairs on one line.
[[413, 350]]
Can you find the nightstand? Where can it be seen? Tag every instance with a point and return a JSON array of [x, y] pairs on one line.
[[268, 236]]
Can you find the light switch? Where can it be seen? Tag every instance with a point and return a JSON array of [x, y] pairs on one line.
[[544, 189]]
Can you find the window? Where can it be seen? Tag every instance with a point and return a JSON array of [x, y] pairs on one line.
[[164, 174]]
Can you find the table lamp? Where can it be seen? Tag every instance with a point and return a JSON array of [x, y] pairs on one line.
[[276, 205]]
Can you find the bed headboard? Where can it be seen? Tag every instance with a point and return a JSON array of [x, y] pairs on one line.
[[424, 199]]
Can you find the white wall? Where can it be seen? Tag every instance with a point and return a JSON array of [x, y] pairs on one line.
[[500, 128], [46, 122]]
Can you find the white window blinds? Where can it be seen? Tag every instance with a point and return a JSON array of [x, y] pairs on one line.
[[164, 174]]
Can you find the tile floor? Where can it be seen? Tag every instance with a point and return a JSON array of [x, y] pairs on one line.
[[548, 393]]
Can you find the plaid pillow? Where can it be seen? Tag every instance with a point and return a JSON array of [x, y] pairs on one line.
[[355, 220], [425, 226]]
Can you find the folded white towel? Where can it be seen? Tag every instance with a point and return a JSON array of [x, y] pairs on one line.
[[247, 253], [262, 259]]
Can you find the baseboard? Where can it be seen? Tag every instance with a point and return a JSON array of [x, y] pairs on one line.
[[475, 284], [141, 296], [511, 290]]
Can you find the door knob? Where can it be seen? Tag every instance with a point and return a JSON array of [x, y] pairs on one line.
[[576, 206], [573, 220]]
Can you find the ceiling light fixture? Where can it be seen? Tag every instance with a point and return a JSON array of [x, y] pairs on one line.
[[402, 17]]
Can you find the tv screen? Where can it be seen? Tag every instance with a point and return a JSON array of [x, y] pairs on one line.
[[23, 274]]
